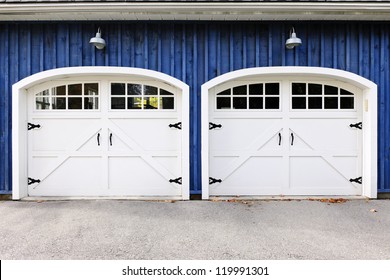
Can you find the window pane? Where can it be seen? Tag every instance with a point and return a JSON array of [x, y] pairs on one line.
[[239, 103], [315, 102], [118, 103], [315, 89], [134, 102], [117, 89], [42, 103], [43, 93], [345, 92], [74, 103], [256, 89], [167, 103], [59, 103], [223, 103], [150, 102], [331, 103], [272, 103], [75, 89], [91, 103], [91, 89], [241, 90], [299, 103], [165, 92], [149, 90], [134, 89], [255, 102], [346, 103], [225, 92], [272, 89], [298, 89], [329, 90], [61, 90]]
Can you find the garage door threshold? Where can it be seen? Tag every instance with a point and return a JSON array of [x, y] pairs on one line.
[[288, 198], [62, 198]]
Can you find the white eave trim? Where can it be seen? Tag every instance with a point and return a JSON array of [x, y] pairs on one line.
[[195, 11]]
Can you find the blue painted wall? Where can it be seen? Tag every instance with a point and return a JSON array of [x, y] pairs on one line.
[[194, 52]]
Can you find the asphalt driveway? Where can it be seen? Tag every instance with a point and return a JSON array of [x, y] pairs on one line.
[[113, 229]]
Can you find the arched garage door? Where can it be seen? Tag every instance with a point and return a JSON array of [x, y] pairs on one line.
[[285, 133], [107, 134]]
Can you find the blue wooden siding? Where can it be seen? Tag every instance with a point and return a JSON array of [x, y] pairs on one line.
[[194, 52]]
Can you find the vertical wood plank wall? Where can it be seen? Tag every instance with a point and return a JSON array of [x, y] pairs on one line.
[[194, 52]]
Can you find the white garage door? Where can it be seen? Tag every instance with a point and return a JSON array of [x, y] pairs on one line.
[[285, 137], [105, 137]]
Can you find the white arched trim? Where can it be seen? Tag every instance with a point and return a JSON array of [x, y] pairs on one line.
[[19, 115], [368, 88]]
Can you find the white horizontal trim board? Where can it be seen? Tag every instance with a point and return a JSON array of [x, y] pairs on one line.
[[195, 11], [22, 113], [282, 124]]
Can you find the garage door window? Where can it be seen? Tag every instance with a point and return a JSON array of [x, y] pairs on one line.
[[319, 96], [83, 96], [133, 96], [256, 96]]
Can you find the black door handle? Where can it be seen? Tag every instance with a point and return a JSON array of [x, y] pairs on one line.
[[110, 139], [98, 139], [292, 139], [280, 138]]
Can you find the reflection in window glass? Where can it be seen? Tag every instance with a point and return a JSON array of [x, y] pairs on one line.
[[165, 92], [91, 103], [134, 89], [117, 103], [241, 90], [256, 89], [150, 90], [225, 92], [239, 102], [272, 103], [223, 103], [75, 103], [91, 89], [75, 89], [272, 89], [167, 103], [298, 89], [117, 89], [59, 103], [150, 102], [346, 103], [134, 102], [255, 102], [329, 90], [299, 102], [61, 90], [42, 103], [315, 89], [43, 93], [315, 102], [331, 103]]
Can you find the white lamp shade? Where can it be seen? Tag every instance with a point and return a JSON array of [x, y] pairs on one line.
[[98, 41], [293, 41]]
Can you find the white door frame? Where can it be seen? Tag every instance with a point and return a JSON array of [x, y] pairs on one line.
[[368, 88], [20, 116]]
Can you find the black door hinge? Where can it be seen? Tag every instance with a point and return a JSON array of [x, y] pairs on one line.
[[176, 125], [33, 181], [214, 125], [32, 126], [356, 125], [356, 180], [213, 180], [177, 181]]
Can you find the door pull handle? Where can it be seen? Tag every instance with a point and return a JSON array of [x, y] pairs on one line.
[[280, 138], [292, 139], [98, 139], [110, 139]]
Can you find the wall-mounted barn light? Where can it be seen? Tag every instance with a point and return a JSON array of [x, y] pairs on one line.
[[98, 41], [293, 41]]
